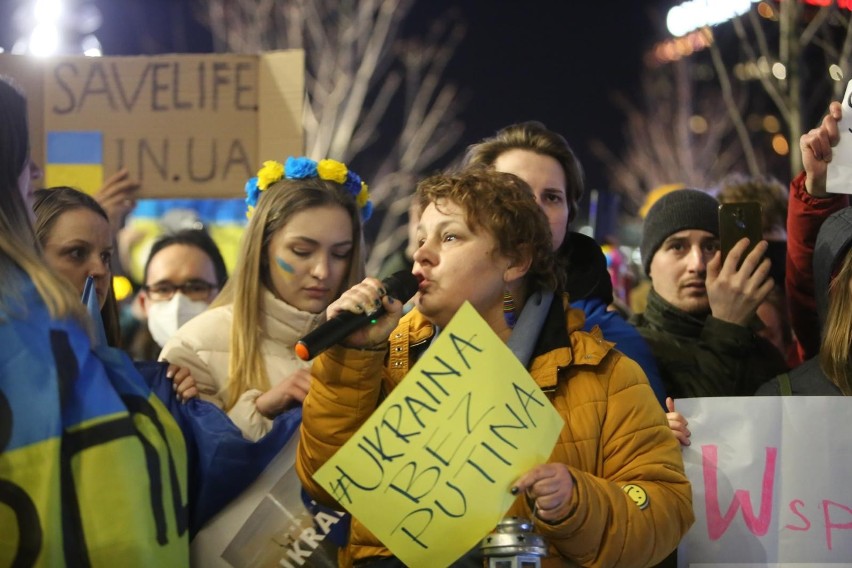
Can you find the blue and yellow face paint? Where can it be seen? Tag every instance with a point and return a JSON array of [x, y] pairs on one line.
[[286, 268]]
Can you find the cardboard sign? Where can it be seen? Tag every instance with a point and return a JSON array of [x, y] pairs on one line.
[[770, 481], [183, 125], [430, 472], [839, 172]]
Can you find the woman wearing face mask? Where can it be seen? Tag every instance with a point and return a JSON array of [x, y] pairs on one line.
[[301, 249], [481, 238], [74, 233], [183, 275]]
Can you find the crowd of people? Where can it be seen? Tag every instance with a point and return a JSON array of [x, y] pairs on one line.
[[495, 233]]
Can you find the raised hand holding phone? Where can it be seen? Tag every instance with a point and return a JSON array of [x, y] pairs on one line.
[[736, 288]]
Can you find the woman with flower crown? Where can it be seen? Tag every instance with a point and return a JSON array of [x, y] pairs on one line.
[[302, 248]]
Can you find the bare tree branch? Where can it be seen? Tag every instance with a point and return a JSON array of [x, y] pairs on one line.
[[357, 67], [771, 88], [843, 59], [733, 111], [762, 43], [814, 26], [790, 49], [661, 147]]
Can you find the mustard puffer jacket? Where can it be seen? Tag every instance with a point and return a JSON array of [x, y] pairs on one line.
[[615, 439]]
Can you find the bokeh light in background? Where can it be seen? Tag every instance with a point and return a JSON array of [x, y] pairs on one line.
[[57, 27], [766, 10], [771, 124], [122, 287], [679, 47], [698, 124], [695, 14], [780, 145]]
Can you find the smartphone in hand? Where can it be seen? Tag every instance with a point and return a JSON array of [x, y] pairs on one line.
[[738, 221]]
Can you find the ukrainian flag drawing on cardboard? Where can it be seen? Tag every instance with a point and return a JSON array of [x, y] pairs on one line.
[[183, 125], [75, 159]]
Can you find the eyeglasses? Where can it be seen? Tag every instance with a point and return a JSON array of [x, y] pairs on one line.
[[192, 289]]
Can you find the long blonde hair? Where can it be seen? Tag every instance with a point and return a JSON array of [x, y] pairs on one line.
[[835, 358], [275, 208], [19, 250]]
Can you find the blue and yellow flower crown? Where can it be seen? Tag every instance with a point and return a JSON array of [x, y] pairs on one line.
[[305, 168]]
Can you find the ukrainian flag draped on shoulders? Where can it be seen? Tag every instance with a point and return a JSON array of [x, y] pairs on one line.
[[93, 468]]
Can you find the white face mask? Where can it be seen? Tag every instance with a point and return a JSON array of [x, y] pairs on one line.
[[164, 318]]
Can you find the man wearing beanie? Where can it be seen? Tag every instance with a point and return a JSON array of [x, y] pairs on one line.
[[700, 318]]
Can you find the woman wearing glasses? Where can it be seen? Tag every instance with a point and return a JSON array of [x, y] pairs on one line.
[[301, 250]]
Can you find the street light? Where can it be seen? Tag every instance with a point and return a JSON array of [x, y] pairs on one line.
[[695, 14], [51, 27]]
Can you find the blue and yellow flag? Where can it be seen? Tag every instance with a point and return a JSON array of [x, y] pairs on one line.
[[92, 465], [99, 463]]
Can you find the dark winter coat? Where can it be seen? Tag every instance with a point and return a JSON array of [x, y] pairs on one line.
[[705, 356]]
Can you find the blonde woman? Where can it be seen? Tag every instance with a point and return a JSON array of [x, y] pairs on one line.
[[830, 372], [302, 248], [835, 354], [78, 448], [76, 238], [819, 274]]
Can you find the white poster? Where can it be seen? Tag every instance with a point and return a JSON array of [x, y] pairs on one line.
[[771, 482], [270, 525], [839, 172]]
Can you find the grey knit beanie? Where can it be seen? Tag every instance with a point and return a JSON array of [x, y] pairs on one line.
[[679, 210]]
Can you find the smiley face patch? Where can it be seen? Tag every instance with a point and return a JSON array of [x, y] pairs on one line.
[[637, 495]]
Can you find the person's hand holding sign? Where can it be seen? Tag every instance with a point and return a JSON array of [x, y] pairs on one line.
[[677, 423], [816, 150], [549, 488]]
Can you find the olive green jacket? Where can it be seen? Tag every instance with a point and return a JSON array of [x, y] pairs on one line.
[[705, 356]]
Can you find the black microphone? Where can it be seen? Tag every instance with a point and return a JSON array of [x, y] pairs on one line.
[[401, 285]]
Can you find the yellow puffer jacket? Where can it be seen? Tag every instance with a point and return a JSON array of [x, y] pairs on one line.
[[615, 439]]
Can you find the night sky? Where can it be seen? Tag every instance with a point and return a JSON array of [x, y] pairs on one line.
[[557, 61], [554, 61]]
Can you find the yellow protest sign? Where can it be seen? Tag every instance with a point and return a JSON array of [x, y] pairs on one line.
[[430, 472]]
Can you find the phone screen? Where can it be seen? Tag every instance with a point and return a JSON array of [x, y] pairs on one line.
[[738, 221]]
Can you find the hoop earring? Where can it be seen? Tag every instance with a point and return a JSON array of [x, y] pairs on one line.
[[509, 309]]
